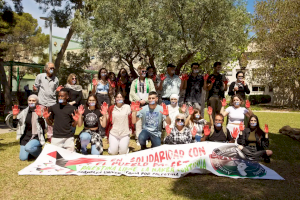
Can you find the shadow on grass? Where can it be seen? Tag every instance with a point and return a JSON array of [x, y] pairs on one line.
[[4, 146], [285, 161]]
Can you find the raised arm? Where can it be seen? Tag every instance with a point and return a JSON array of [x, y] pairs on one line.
[[95, 82], [80, 111], [223, 112]]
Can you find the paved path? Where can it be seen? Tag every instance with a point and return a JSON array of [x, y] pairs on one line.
[[4, 129], [274, 111]]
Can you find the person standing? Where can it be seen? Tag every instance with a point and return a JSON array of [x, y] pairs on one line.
[[124, 84], [47, 84], [139, 91], [239, 87], [152, 116], [102, 88], [195, 83], [216, 85], [170, 84], [74, 89]]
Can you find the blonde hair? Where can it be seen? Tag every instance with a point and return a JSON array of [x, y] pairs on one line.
[[141, 67], [70, 79]]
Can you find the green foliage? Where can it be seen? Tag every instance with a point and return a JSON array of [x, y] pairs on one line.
[[257, 99]]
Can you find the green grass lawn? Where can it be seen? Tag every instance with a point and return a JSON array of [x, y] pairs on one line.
[[285, 161]]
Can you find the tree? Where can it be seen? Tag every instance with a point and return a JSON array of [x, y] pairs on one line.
[[169, 31], [277, 28]]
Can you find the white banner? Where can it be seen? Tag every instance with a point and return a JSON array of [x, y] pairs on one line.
[[172, 161]]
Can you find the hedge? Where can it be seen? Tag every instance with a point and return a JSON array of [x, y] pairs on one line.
[[257, 99]]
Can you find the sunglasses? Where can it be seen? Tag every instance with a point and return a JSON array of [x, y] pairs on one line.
[[74, 78], [144, 71], [180, 120], [241, 76]]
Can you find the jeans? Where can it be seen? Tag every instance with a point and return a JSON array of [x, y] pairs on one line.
[[146, 135], [101, 98], [33, 147], [198, 138], [85, 139], [167, 102]]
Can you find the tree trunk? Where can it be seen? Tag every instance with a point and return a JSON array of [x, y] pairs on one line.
[[151, 61], [182, 61], [132, 70], [61, 53], [5, 86]]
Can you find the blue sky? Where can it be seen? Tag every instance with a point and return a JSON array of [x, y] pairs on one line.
[[30, 6]]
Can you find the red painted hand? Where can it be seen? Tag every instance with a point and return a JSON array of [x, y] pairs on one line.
[[81, 109], [104, 108], [75, 116], [242, 127], [206, 77], [247, 104], [224, 102], [191, 110], [194, 131], [209, 110], [226, 82], [162, 77], [165, 109], [59, 88], [184, 77], [212, 80], [235, 132], [95, 82], [38, 110], [266, 128], [112, 83], [168, 129], [15, 110], [46, 114], [154, 78], [206, 130]]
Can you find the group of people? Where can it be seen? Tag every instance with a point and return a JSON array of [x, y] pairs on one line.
[[120, 106]]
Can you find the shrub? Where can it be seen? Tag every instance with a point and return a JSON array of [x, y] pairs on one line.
[[257, 99]]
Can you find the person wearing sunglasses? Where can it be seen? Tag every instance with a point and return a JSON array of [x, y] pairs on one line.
[[239, 87], [180, 134], [139, 92]]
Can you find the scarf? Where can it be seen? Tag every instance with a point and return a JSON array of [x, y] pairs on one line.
[[74, 87]]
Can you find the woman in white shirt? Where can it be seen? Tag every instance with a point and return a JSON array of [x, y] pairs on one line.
[[236, 114]]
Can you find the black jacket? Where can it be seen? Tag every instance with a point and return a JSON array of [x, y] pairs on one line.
[[242, 90], [262, 142]]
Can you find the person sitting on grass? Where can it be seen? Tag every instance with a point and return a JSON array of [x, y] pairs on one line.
[[152, 116], [254, 141], [92, 118], [195, 120], [62, 116], [219, 133], [31, 127], [180, 134]]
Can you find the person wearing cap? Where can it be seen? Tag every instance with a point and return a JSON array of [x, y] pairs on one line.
[[46, 84], [139, 92], [170, 84], [195, 83], [216, 85], [30, 129]]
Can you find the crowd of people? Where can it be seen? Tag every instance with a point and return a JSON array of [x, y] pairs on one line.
[[147, 107]]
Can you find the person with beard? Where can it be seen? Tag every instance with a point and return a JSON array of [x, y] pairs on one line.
[[239, 87], [64, 119], [195, 120], [254, 141], [47, 84], [30, 129], [92, 118]]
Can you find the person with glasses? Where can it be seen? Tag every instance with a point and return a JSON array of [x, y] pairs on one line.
[[180, 134], [239, 87], [139, 92], [46, 85]]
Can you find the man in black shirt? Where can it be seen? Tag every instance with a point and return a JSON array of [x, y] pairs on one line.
[[216, 85], [217, 133], [62, 115]]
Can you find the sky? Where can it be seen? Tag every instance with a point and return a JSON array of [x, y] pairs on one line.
[[30, 6]]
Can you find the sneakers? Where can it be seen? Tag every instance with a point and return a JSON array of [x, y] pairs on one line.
[[137, 143]]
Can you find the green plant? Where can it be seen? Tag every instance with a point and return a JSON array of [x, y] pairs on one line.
[[257, 99]]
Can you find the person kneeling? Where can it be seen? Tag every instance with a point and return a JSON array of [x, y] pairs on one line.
[[31, 127], [218, 133], [180, 134], [152, 116], [62, 116]]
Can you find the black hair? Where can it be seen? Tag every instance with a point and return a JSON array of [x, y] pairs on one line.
[[217, 63], [239, 73], [99, 73], [195, 64], [170, 65], [119, 92], [119, 74], [64, 90], [111, 73], [153, 93], [87, 101], [219, 114], [258, 129]]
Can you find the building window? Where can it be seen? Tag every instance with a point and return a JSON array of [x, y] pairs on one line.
[[258, 88], [270, 89]]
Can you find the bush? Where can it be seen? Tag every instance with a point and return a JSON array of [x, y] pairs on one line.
[[257, 99]]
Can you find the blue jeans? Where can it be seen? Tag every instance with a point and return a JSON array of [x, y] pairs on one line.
[[167, 102], [33, 147], [146, 135], [85, 139], [198, 138]]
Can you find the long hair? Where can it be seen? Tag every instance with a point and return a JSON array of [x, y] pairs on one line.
[[117, 93], [99, 73], [238, 96], [258, 129], [119, 74], [196, 110], [70, 79], [97, 106]]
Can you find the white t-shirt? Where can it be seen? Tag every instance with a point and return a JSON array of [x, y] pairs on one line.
[[236, 115]]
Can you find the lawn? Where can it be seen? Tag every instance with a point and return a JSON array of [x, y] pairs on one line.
[[285, 161]]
